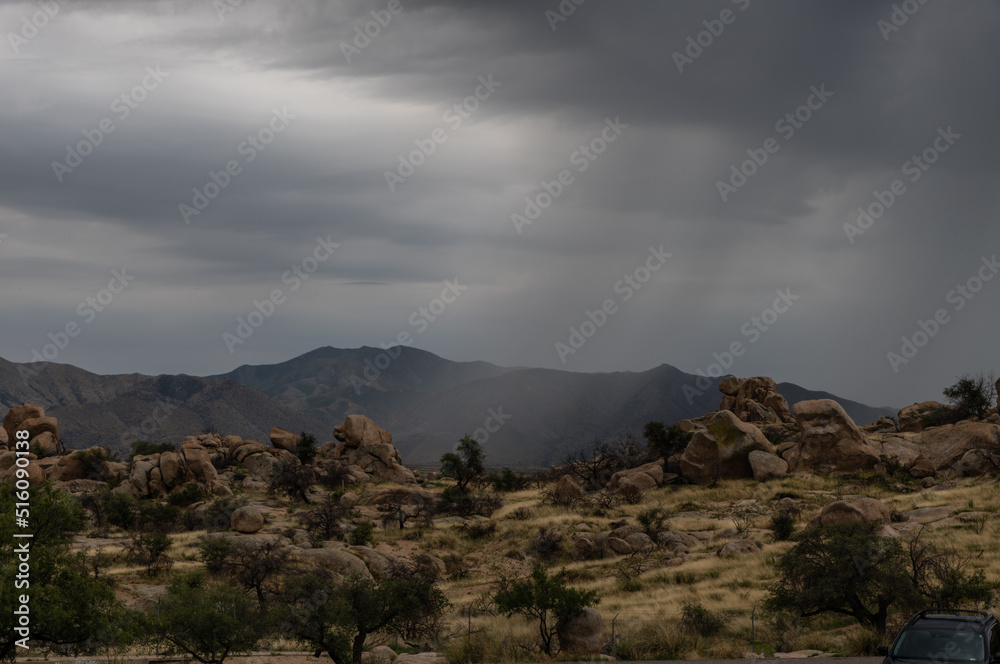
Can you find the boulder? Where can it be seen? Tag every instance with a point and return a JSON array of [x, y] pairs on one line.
[[47, 442], [737, 548], [911, 418], [943, 447], [583, 634], [420, 658], [247, 448], [973, 463], [247, 519], [653, 470], [900, 451], [263, 466], [358, 430], [640, 542], [338, 561], [619, 546], [862, 510], [199, 463], [637, 481], [767, 466], [721, 450], [285, 440], [567, 490], [922, 468], [33, 473], [81, 486], [171, 471], [830, 441]]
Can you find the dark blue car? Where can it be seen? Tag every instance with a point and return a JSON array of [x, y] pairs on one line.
[[946, 636]]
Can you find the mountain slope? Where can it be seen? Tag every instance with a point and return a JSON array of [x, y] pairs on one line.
[[112, 411]]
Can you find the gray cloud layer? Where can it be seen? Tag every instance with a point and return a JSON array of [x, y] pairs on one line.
[[222, 79]]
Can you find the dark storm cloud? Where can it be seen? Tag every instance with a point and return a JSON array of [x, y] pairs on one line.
[[358, 108]]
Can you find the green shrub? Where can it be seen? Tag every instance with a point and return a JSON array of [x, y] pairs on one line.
[[213, 552], [703, 622], [191, 493], [507, 481], [782, 526], [121, 510], [363, 533], [653, 521]]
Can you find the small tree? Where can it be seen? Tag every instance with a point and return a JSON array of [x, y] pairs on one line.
[[464, 465], [972, 395], [666, 441], [207, 619], [306, 448], [294, 479], [400, 505], [326, 519], [149, 551], [848, 569], [546, 598], [254, 565], [339, 618]]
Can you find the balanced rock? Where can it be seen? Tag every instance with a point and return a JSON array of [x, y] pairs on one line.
[[285, 440], [721, 450], [830, 441]]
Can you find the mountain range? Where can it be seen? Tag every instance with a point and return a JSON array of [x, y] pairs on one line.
[[523, 417]]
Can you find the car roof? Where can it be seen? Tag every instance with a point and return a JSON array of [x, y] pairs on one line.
[[945, 619]]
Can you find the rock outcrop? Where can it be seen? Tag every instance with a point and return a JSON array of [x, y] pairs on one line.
[[830, 440], [721, 449], [754, 400], [912, 418], [41, 429], [367, 446]]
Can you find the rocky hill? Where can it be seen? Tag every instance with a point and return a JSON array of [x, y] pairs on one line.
[[523, 417]]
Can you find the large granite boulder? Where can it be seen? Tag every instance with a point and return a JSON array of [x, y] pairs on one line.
[[912, 418], [943, 447], [767, 466], [721, 449], [862, 510], [32, 418], [285, 440], [830, 440]]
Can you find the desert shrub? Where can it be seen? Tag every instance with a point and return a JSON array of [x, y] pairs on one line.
[[294, 479], [218, 512], [189, 495], [155, 516], [363, 533], [697, 618], [145, 448], [120, 509], [782, 525], [326, 519], [520, 514], [479, 529], [213, 552], [653, 520], [507, 481], [305, 450], [863, 641], [91, 460], [548, 544], [666, 441], [150, 551], [939, 417], [593, 468], [631, 495]]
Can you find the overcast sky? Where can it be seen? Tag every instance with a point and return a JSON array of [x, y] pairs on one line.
[[114, 113]]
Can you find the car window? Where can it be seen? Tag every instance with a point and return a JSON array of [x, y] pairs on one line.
[[941, 645]]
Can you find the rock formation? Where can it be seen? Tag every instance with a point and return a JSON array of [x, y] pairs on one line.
[[754, 400], [367, 447], [721, 449], [830, 440]]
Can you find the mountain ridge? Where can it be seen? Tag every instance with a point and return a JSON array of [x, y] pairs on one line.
[[528, 417]]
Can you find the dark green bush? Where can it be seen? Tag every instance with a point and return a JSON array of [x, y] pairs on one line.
[[363, 533], [145, 448], [696, 617]]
